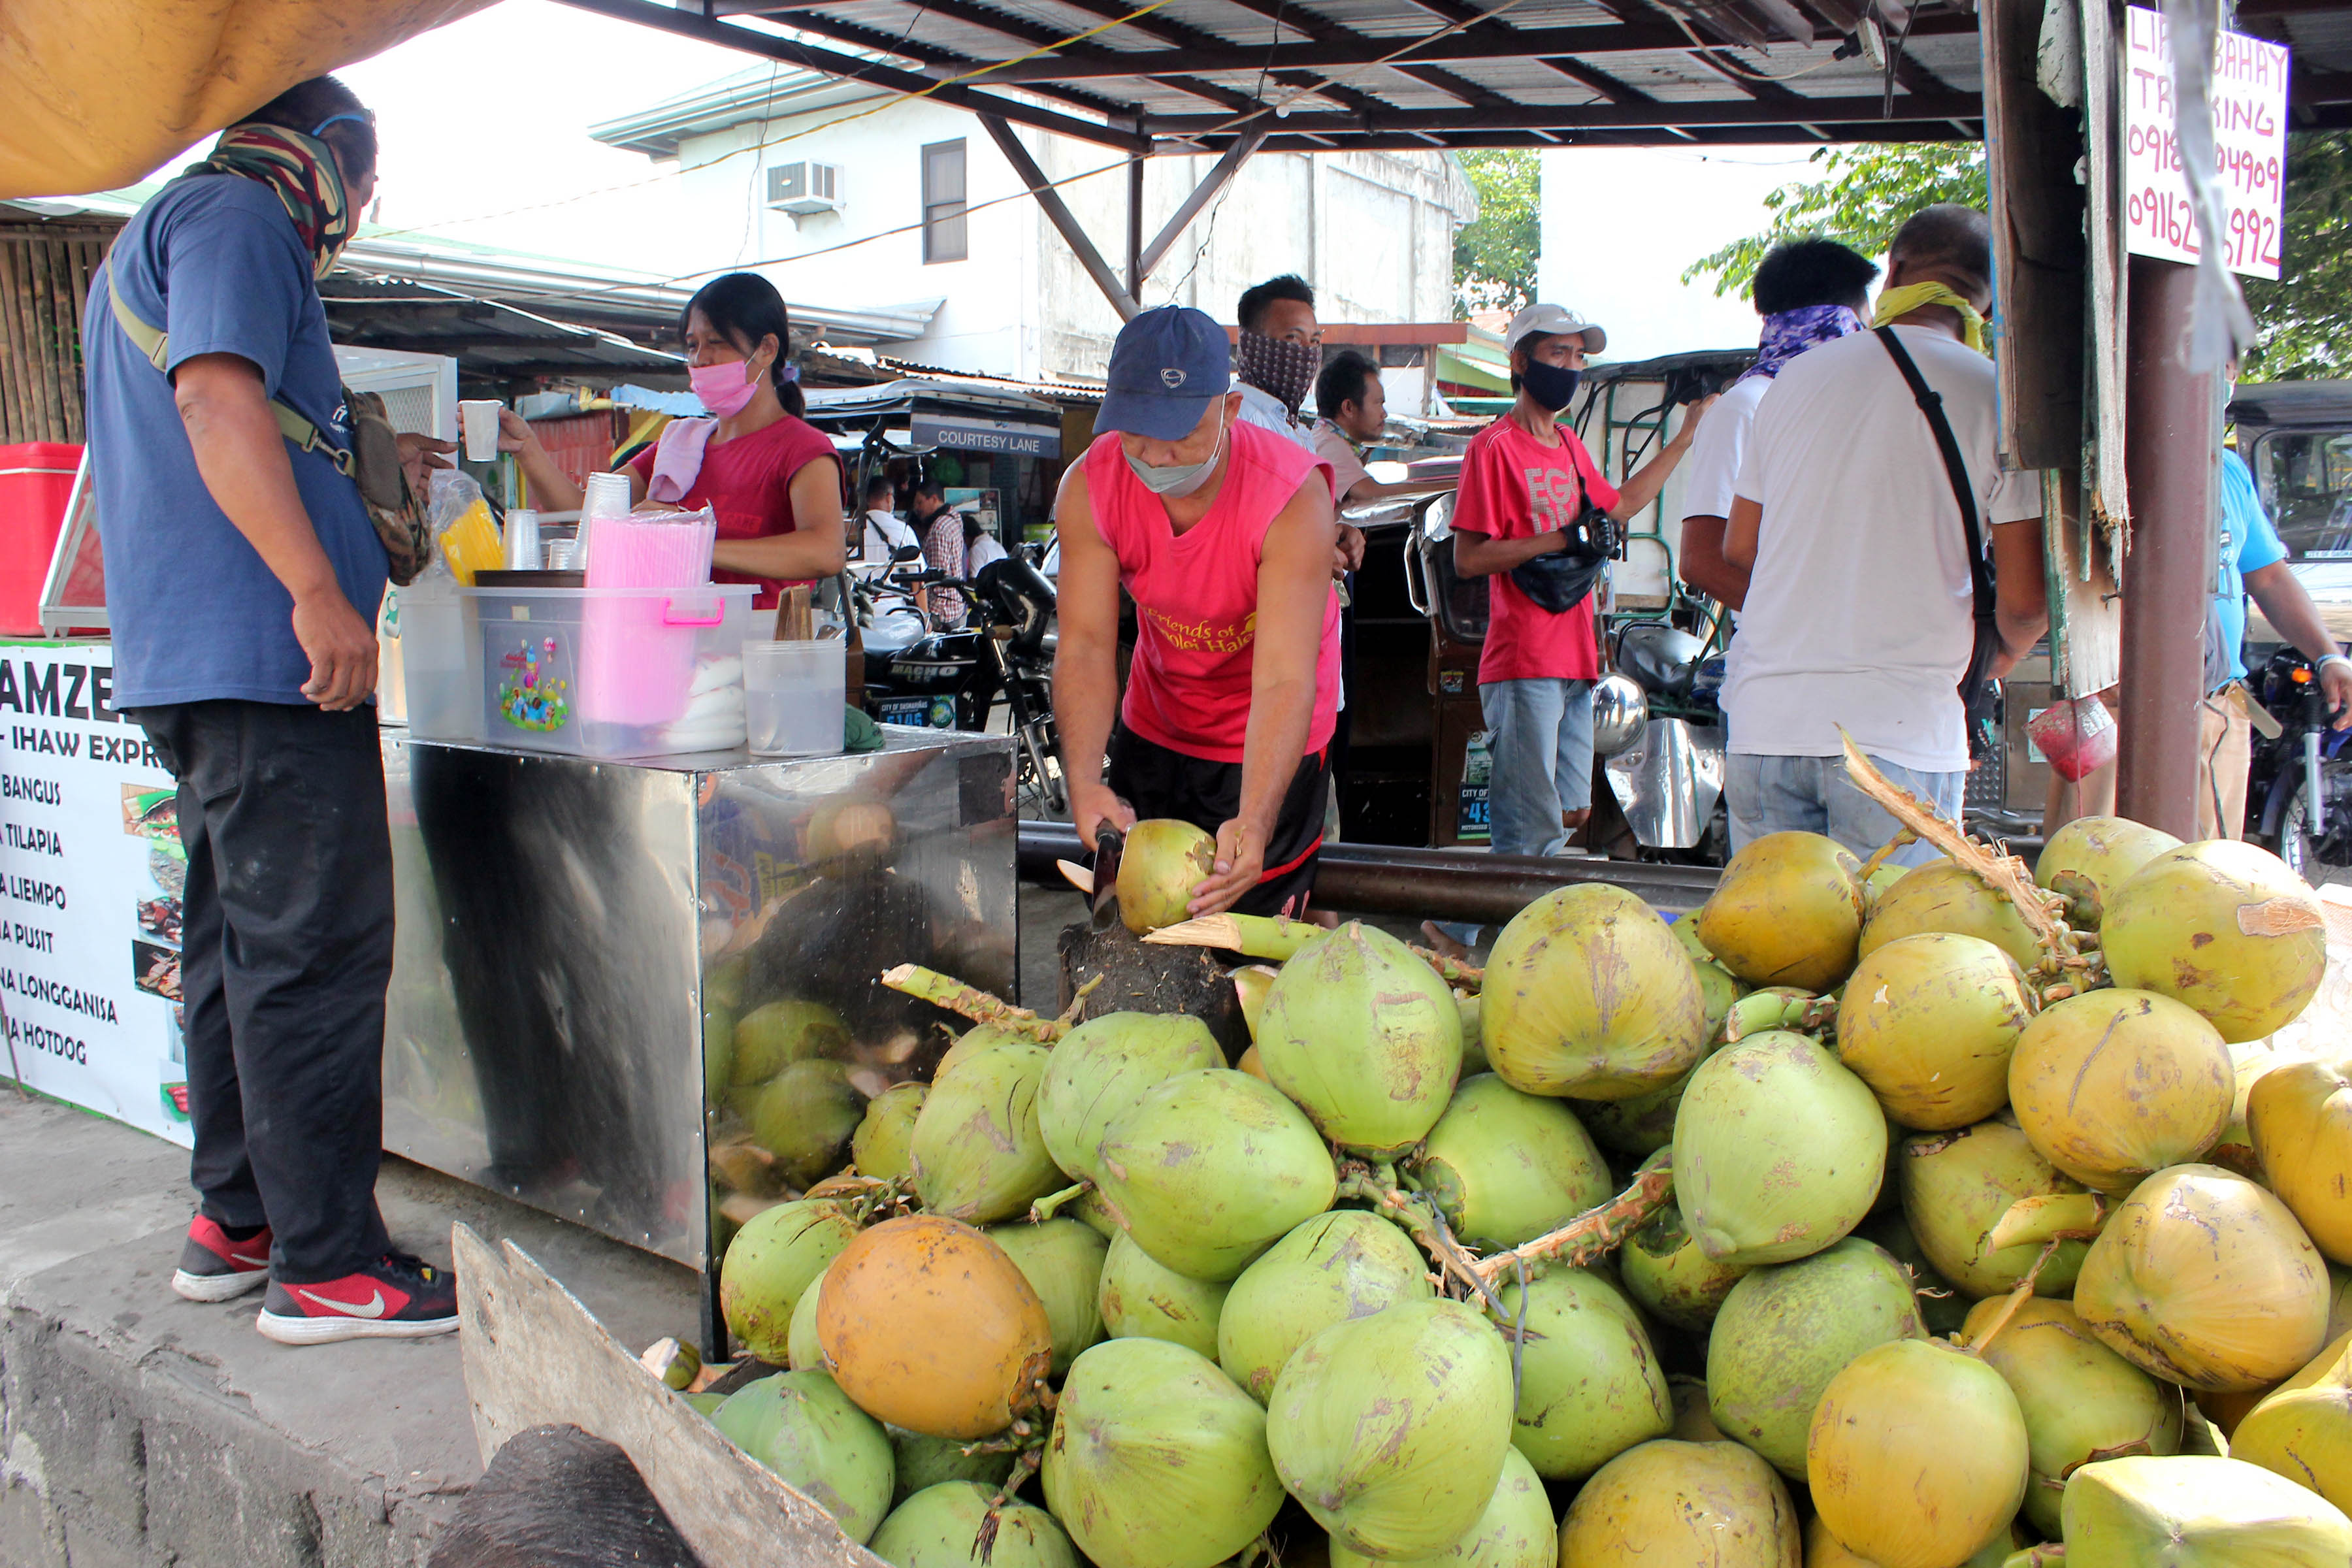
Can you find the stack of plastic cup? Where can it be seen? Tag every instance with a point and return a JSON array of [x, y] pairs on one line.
[[522, 540], [604, 495]]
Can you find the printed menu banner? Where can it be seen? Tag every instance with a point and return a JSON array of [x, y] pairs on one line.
[[91, 874]]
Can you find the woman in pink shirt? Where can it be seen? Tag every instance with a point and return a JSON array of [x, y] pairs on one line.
[[1222, 534]]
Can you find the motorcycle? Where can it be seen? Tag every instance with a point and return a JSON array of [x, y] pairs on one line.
[[951, 679], [1666, 767], [2299, 785]]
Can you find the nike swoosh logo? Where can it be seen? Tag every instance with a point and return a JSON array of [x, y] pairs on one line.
[[371, 1308], [259, 1262]]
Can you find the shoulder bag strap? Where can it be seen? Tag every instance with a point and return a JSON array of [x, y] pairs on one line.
[[1956, 468], [156, 344]]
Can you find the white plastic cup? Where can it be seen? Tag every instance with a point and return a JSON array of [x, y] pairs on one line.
[[792, 697], [522, 540], [479, 419]]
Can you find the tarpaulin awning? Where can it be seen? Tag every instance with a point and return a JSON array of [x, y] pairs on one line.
[[100, 92]]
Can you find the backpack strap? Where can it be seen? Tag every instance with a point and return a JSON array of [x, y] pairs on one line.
[[156, 344], [1956, 469]]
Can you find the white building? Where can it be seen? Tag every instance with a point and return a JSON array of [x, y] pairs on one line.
[[844, 195]]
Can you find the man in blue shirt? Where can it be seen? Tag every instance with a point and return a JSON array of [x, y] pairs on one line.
[[2252, 561], [242, 579]]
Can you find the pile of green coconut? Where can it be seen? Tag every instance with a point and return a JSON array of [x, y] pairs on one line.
[[1959, 1215]]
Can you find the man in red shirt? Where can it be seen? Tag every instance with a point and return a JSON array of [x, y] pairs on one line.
[[1525, 480]]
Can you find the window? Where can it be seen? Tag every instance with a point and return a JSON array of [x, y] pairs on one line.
[[944, 235], [2305, 477]]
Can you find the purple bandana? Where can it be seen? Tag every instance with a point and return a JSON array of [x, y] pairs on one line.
[[1788, 333]]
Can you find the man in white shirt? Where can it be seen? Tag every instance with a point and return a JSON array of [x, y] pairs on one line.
[[1859, 607], [1809, 291], [1279, 351], [885, 533]]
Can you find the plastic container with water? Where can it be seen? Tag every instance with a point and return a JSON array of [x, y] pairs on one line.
[[792, 697], [613, 672]]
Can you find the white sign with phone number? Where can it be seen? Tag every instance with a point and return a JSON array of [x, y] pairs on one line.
[[2249, 145]]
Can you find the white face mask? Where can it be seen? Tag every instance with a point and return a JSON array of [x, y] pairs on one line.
[[1176, 481]]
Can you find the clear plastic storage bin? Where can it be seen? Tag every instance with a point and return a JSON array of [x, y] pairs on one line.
[[613, 672], [440, 661]]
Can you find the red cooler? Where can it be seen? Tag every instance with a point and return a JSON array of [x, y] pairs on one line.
[[35, 481]]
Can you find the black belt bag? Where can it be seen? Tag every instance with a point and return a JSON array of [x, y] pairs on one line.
[[1558, 581], [1976, 686]]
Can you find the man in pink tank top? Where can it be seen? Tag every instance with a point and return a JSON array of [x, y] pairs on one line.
[[1222, 535]]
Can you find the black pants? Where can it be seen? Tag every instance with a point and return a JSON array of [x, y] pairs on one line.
[[286, 951], [1157, 782]]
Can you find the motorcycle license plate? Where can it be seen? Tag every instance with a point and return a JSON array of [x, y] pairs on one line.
[[919, 712]]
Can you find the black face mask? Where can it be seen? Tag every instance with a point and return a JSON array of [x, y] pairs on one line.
[[1552, 385]]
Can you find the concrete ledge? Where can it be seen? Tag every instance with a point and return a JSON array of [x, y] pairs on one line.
[[138, 1430]]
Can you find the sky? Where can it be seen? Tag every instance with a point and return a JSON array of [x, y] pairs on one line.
[[484, 131]]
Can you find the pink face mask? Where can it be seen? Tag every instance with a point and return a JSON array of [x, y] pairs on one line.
[[724, 389]]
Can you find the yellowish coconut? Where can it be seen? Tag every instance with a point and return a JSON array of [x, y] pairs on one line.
[[1669, 1504], [1928, 1023], [1822, 1551], [1163, 861], [1932, 1425], [2300, 1119], [1956, 1185], [2113, 1085], [1947, 897], [2303, 1429], [1251, 982], [1588, 993], [928, 1324], [2203, 1279], [2224, 927], [2091, 857], [2198, 1512], [2082, 1401], [1788, 911]]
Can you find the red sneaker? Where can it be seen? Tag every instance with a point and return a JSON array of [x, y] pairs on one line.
[[395, 1298], [214, 1269]]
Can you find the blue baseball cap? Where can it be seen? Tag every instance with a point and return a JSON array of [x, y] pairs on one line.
[[1167, 365]]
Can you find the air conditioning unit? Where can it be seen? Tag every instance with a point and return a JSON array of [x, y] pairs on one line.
[[804, 187]]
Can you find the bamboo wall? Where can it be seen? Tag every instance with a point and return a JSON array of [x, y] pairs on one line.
[[45, 273]]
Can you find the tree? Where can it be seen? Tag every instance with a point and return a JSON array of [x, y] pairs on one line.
[[1495, 258], [2307, 316], [1861, 198]]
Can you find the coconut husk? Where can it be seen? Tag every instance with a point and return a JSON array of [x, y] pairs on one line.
[[1129, 976]]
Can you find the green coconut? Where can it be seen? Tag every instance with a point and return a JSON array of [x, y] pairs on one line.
[[1505, 1167], [2223, 927], [773, 1258], [1157, 1460], [1063, 1261], [2194, 1510], [1677, 1504], [802, 1351], [1211, 1168], [955, 1524], [1956, 1185], [1944, 896], [1786, 912], [1474, 1042], [1163, 862], [801, 1426], [1089, 1205], [1645, 1124], [977, 1153], [804, 1117], [974, 1040], [723, 981], [769, 1038], [1251, 982], [1142, 1298], [1590, 1384], [1929, 1021], [1102, 1066], [1390, 1429], [1339, 1265], [1785, 1331], [1778, 1150], [717, 1047], [883, 1146], [1943, 1306], [2115, 1084], [1515, 1532], [2082, 1401], [1589, 994], [1364, 1037], [2092, 856], [1718, 989], [705, 1404], [1665, 1270], [924, 1462]]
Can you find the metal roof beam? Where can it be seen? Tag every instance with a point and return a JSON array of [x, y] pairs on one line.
[[946, 62], [1599, 116], [1470, 44], [693, 25], [1057, 212], [1222, 171], [1794, 135]]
